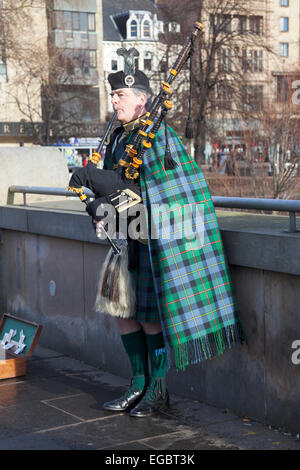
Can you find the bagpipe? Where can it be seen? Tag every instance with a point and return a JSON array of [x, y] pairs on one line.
[[107, 186], [119, 187]]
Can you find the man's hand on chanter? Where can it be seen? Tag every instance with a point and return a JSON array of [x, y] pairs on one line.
[[99, 228]]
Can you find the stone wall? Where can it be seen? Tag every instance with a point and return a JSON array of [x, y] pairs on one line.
[[50, 262], [31, 166]]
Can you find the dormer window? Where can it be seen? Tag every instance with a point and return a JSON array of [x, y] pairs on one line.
[[133, 29], [146, 29], [139, 25]]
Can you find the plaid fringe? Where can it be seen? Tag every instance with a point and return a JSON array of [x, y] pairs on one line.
[[207, 347]]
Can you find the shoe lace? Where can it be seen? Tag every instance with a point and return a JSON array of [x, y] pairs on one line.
[[154, 389], [133, 388]]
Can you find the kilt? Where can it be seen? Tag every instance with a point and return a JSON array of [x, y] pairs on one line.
[[146, 303]]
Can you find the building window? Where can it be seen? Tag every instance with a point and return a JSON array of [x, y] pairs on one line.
[[245, 61], [148, 61], [242, 24], [67, 20], [283, 84], [163, 65], [83, 59], [133, 29], [284, 3], [76, 21], [255, 24], [73, 21], [285, 87], [223, 97], [212, 25], [224, 60], [3, 71], [114, 65], [91, 22], [2, 55], [284, 49], [252, 60], [258, 61], [73, 105], [146, 29], [226, 24], [253, 97], [284, 24], [92, 58], [174, 27], [220, 23], [214, 21], [83, 23], [147, 64]]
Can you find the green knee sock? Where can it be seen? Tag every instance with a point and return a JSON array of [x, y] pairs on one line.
[[136, 347], [158, 356]]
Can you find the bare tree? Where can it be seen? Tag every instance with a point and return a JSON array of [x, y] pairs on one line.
[[231, 47], [44, 78], [16, 15], [277, 128]]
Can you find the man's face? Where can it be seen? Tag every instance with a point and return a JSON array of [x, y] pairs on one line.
[[128, 105]]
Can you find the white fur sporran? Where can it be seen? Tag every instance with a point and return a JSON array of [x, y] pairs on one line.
[[116, 288]]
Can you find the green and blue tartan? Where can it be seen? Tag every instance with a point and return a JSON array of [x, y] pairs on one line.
[[194, 291], [146, 303]]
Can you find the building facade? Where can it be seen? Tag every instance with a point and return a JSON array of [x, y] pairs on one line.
[[53, 75], [284, 37], [55, 88], [20, 99], [269, 64], [50, 80], [131, 23]]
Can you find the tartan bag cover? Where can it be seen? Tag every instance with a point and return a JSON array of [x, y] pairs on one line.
[[197, 306]]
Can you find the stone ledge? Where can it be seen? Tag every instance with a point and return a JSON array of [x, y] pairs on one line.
[[250, 240]]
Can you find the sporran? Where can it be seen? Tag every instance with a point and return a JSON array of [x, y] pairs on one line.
[[116, 288]]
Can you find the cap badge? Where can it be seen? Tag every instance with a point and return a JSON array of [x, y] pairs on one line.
[[129, 57]]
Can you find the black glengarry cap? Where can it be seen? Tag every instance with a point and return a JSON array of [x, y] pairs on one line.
[[130, 78], [120, 80]]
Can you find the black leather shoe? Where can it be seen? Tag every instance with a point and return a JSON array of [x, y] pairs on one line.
[[153, 402], [130, 398]]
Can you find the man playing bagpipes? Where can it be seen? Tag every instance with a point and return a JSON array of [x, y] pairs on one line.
[[184, 307]]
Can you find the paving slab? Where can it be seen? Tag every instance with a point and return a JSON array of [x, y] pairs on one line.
[[58, 406]]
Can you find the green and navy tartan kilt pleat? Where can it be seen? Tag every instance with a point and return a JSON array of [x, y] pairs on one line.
[[146, 303]]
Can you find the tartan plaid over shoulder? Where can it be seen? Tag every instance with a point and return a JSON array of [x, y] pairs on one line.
[[197, 307]]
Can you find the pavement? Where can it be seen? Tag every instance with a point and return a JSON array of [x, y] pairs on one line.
[[57, 405]]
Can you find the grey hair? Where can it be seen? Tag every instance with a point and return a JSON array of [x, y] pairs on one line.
[[139, 92]]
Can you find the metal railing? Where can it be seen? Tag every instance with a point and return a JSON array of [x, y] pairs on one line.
[[280, 205], [43, 190]]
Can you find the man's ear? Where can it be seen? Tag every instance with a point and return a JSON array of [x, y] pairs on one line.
[[143, 98]]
